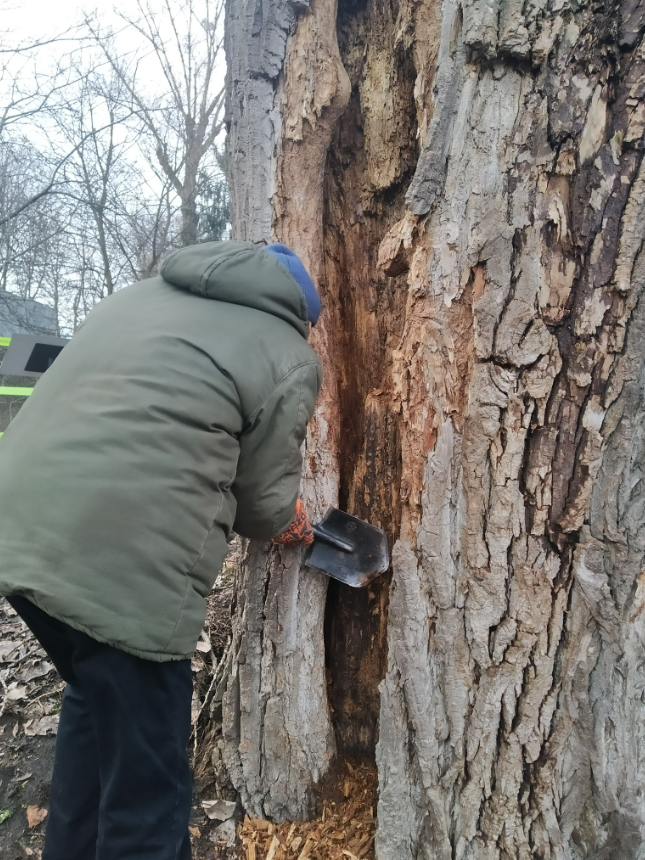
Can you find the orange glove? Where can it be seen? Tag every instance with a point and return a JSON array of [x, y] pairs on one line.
[[300, 530]]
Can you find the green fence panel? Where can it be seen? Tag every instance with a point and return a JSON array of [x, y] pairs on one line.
[[8, 391]]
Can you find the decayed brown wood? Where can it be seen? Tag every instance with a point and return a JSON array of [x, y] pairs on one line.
[[345, 828], [366, 311], [473, 213]]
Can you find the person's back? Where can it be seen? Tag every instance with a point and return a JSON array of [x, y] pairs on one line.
[[175, 414]]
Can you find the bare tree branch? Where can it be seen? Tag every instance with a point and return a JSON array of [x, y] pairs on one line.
[[186, 122]]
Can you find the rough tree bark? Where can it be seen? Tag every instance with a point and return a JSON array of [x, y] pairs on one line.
[[465, 182], [277, 739]]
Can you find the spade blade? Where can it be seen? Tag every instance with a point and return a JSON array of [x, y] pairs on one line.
[[369, 556]]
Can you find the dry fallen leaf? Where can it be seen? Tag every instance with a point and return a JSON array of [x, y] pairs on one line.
[[195, 831], [225, 834], [15, 692], [35, 815], [33, 669], [6, 648], [219, 810], [43, 726], [21, 777]]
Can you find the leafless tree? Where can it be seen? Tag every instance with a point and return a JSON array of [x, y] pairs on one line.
[[101, 171], [28, 90], [184, 119], [90, 120]]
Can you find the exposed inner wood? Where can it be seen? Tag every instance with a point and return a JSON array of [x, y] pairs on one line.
[[369, 165]]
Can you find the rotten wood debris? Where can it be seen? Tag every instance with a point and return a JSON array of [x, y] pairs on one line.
[[344, 831]]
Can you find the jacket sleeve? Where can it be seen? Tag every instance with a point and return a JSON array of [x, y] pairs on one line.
[[268, 471]]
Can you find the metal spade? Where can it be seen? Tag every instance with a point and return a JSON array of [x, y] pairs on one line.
[[348, 549]]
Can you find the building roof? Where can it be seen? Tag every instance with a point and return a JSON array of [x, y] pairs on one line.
[[25, 316]]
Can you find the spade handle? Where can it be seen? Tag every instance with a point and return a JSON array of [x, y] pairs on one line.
[[322, 534]]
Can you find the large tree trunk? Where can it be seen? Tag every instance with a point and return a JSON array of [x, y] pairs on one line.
[[465, 183]]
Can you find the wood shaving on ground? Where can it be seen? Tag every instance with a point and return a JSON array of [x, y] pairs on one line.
[[345, 831]]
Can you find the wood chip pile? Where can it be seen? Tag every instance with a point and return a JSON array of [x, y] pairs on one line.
[[345, 831]]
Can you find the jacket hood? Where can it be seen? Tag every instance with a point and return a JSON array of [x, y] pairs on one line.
[[241, 273]]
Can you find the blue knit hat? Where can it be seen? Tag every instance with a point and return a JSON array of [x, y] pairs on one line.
[[299, 274]]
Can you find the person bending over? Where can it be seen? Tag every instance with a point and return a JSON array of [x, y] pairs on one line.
[[174, 416]]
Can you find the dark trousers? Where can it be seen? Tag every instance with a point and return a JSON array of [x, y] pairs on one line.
[[121, 787]]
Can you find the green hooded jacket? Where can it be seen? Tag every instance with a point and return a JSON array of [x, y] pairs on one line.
[[175, 414]]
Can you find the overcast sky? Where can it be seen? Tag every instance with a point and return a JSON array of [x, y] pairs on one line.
[[28, 21], [36, 19]]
